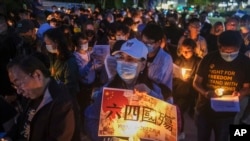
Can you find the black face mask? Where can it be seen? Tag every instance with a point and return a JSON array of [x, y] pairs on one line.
[[67, 35], [90, 33]]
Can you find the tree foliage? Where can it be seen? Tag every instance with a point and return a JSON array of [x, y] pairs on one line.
[[197, 2]]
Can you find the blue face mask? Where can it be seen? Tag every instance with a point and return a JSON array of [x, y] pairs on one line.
[[229, 57], [150, 48], [126, 70], [120, 38]]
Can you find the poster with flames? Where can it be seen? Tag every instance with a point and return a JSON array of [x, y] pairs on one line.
[[128, 114]]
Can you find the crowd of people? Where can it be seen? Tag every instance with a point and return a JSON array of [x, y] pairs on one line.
[[52, 77]]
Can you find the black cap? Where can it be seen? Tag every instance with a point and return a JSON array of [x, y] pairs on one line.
[[24, 26], [230, 38]]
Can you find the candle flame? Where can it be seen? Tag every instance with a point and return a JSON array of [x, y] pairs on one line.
[[219, 91], [183, 72]]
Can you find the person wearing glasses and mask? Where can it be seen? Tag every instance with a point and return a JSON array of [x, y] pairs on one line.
[[228, 69], [159, 63], [130, 69], [50, 112], [121, 35]]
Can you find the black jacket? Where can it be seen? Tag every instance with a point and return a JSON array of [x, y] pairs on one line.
[[56, 117]]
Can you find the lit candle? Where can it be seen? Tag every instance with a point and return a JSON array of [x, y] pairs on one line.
[[183, 72], [219, 91], [135, 29]]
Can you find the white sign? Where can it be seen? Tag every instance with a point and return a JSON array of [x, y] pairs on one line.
[[110, 66], [226, 103], [100, 52]]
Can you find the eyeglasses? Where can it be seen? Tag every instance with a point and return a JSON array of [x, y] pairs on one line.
[[195, 26], [20, 83], [149, 42]]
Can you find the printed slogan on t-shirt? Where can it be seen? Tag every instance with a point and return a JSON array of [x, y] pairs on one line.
[[218, 78]]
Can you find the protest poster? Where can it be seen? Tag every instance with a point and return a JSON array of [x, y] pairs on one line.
[[110, 66], [100, 52], [125, 113], [181, 73]]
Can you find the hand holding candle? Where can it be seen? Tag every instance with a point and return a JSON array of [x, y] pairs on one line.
[[219, 92], [185, 73]]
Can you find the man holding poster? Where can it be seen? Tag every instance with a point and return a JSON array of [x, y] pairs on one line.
[[131, 61]]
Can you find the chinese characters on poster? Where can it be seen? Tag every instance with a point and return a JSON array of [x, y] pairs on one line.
[[128, 114]]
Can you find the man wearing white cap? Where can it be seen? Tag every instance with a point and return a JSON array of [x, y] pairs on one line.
[[131, 61]]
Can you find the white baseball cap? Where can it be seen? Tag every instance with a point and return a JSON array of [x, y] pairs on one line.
[[134, 48]]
